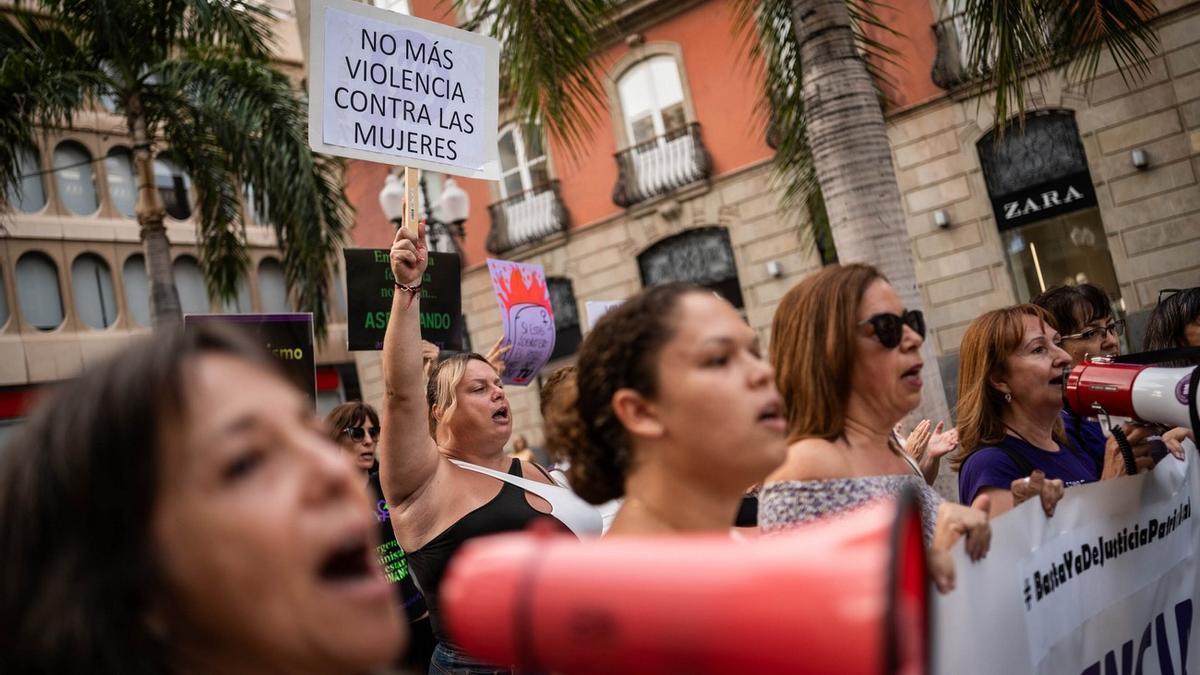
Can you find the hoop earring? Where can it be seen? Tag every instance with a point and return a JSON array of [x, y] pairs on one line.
[[1007, 398]]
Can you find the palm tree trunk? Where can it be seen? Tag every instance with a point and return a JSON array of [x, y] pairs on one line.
[[164, 298], [853, 162]]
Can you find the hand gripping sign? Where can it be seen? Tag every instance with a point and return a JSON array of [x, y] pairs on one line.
[[527, 316]]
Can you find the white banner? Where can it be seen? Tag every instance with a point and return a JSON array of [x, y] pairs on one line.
[[1108, 586], [392, 88]]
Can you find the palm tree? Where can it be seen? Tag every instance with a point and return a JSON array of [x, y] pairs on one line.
[[195, 76], [822, 97]]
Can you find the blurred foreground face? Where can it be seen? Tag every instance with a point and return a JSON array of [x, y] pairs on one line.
[[717, 397], [264, 537]]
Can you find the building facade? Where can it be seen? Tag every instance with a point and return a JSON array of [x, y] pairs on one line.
[[72, 275], [678, 183]]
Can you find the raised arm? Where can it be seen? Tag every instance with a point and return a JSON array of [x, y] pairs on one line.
[[408, 457]]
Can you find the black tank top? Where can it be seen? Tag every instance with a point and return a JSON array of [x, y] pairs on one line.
[[508, 511]]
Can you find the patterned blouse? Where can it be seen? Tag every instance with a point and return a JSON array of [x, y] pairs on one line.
[[784, 504]]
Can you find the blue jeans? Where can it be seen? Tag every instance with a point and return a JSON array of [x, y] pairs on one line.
[[448, 661]]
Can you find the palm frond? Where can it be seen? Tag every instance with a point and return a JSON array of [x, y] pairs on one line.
[[1008, 39], [547, 63], [1083, 30], [45, 76], [252, 114]]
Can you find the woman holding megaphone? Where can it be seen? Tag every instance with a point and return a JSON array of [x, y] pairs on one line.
[[848, 363], [1010, 401]]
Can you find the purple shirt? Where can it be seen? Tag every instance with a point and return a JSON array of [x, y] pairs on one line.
[[1088, 435], [991, 466]]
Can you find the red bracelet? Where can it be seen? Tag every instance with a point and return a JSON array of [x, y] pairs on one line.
[[413, 292]]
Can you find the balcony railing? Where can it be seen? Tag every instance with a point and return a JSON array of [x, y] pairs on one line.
[[527, 217], [661, 165]]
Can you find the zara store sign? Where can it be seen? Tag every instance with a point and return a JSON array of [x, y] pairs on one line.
[[1054, 198]]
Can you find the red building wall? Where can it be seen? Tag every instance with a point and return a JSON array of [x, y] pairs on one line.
[[724, 87]]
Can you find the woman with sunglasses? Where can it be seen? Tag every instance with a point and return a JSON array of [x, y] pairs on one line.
[[848, 364], [1010, 379], [354, 426], [442, 463]]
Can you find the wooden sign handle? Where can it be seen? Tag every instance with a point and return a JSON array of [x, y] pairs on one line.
[[412, 179]]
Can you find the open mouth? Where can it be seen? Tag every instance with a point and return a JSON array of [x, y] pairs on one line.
[[772, 415], [1056, 381], [501, 415], [913, 375], [350, 561]]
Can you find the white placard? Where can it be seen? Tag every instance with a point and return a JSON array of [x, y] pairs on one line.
[[391, 88], [598, 308], [1108, 585]]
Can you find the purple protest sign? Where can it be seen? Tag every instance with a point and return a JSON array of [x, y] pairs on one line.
[[528, 318]]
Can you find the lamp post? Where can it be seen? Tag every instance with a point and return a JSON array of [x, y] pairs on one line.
[[454, 204]]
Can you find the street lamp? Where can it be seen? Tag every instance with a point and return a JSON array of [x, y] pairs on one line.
[[454, 204]]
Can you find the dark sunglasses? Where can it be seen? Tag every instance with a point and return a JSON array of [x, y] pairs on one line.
[[358, 433], [889, 328]]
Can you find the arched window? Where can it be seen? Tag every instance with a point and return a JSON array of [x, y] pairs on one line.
[[272, 288], [652, 100], [193, 297], [174, 187], [95, 301], [523, 163], [122, 188], [241, 303], [38, 291], [567, 335], [702, 257], [32, 195], [75, 178], [137, 290]]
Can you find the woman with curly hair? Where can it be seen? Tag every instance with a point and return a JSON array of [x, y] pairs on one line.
[[676, 412]]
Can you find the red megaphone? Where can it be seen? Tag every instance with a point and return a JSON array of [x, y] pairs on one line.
[[845, 595], [1146, 393]]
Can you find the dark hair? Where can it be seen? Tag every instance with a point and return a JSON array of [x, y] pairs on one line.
[[1073, 307], [621, 352], [78, 487], [349, 414], [1170, 318]]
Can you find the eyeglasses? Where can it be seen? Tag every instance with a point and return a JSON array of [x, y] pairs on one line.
[[358, 433], [1117, 328], [889, 328], [1166, 293]]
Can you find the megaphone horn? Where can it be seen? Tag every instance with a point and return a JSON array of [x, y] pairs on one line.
[[841, 595]]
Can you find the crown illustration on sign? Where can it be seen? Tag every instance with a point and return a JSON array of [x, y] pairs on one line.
[[515, 291]]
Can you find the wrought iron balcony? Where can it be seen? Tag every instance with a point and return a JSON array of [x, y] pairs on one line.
[[527, 217], [661, 165]]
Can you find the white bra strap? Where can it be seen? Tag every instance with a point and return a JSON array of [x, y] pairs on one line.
[[547, 492]]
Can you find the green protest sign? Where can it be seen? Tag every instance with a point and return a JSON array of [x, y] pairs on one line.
[[370, 287]]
